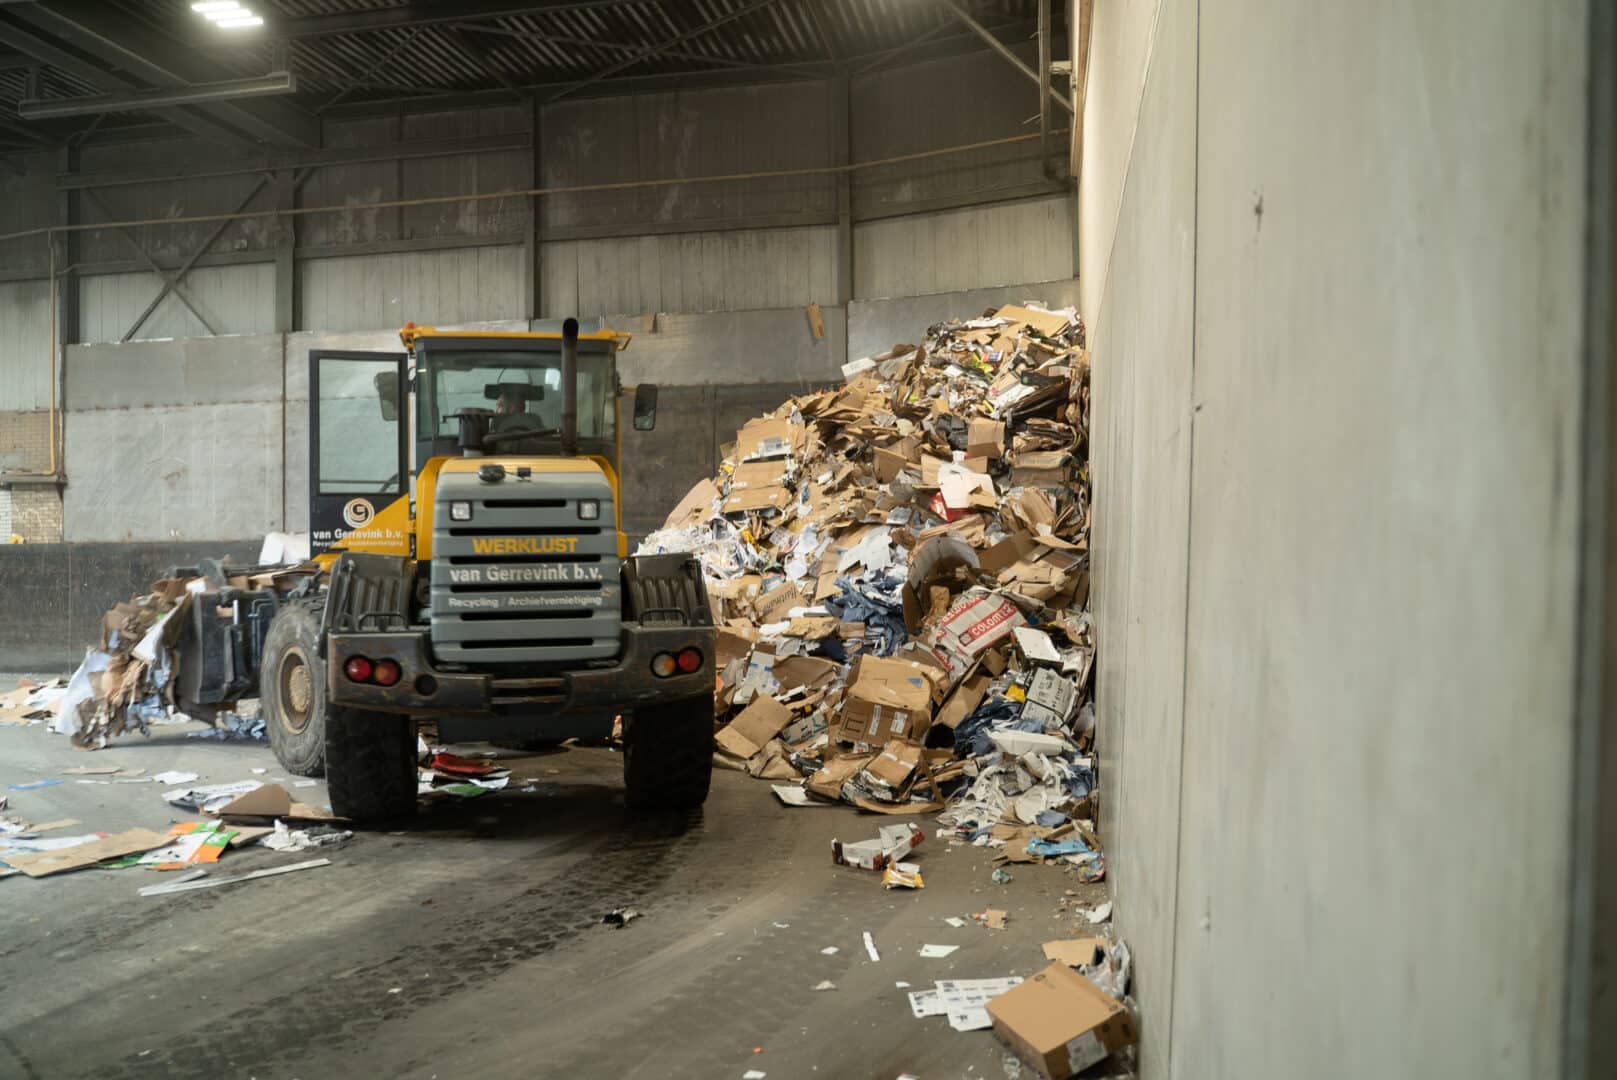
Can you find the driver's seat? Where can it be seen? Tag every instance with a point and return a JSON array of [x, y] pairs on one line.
[[512, 423]]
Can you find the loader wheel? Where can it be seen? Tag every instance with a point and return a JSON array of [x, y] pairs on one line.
[[668, 755], [292, 689], [370, 764]]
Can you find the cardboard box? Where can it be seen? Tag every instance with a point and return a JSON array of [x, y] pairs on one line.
[[1061, 1023], [972, 626], [827, 782], [1050, 698], [887, 699]]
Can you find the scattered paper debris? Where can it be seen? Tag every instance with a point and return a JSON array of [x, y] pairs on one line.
[[825, 984], [1100, 913], [620, 917], [937, 952], [870, 948], [209, 883]]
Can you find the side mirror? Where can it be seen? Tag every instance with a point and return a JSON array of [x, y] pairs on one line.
[[645, 407], [387, 392]]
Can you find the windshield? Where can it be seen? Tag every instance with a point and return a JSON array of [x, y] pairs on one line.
[[510, 381]]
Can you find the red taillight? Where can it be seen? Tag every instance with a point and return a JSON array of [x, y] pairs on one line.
[[690, 660], [358, 669], [387, 672]]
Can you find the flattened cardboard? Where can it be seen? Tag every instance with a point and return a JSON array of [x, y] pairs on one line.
[[965, 699], [697, 501], [272, 801], [1061, 1023], [758, 474], [773, 605], [792, 672], [757, 499], [44, 863], [755, 726], [767, 438], [1075, 952], [1047, 323]]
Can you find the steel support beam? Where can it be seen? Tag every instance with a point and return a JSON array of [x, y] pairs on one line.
[[287, 311], [533, 236], [281, 82], [1005, 51], [69, 211], [129, 45], [1044, 89], [101, 78], [421, 13], [426, 148]]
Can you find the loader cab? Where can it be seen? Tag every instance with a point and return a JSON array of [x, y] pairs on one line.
[[384, 424], [479, 395]]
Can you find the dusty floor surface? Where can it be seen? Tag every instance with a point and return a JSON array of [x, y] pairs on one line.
[[471, 944]]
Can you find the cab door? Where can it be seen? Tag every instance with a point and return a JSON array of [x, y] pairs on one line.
[[359, 478]]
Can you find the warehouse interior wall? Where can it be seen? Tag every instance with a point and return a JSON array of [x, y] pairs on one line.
[[1332, 262], [183, 411]]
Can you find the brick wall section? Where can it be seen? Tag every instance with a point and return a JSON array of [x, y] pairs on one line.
[[36, 513], [25, 442]]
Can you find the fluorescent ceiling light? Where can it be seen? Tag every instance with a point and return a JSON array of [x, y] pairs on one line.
[[220, 6], [233, 23]]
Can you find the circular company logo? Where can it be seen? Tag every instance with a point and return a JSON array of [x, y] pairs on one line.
[[358, 513]]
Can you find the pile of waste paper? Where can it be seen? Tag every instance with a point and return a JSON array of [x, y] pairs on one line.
[[129, 683], [899, 569]]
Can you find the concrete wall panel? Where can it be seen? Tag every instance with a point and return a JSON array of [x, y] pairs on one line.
[[235, 299], [167, 473], [1141, 345], [981, 246], [1365, 629], [191, 371]]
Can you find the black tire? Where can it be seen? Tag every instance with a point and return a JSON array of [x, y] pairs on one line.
[[668, 755], [292, 689], [370, 764]]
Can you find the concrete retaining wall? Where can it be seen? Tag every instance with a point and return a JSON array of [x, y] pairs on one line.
[[56, 593]]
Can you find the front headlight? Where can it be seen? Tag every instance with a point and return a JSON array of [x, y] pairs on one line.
[[589, 509], [460, 511]]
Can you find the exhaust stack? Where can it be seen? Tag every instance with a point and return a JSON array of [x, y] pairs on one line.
[[569, 387]]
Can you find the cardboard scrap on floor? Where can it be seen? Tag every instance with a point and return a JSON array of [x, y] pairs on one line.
[[79, 856]]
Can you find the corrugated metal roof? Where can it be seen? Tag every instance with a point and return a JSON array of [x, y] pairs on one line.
[[438, 50]]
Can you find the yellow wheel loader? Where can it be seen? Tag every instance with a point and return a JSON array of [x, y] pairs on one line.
[[464, 501]]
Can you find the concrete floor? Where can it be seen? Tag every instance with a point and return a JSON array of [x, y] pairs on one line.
[[472, 944]]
